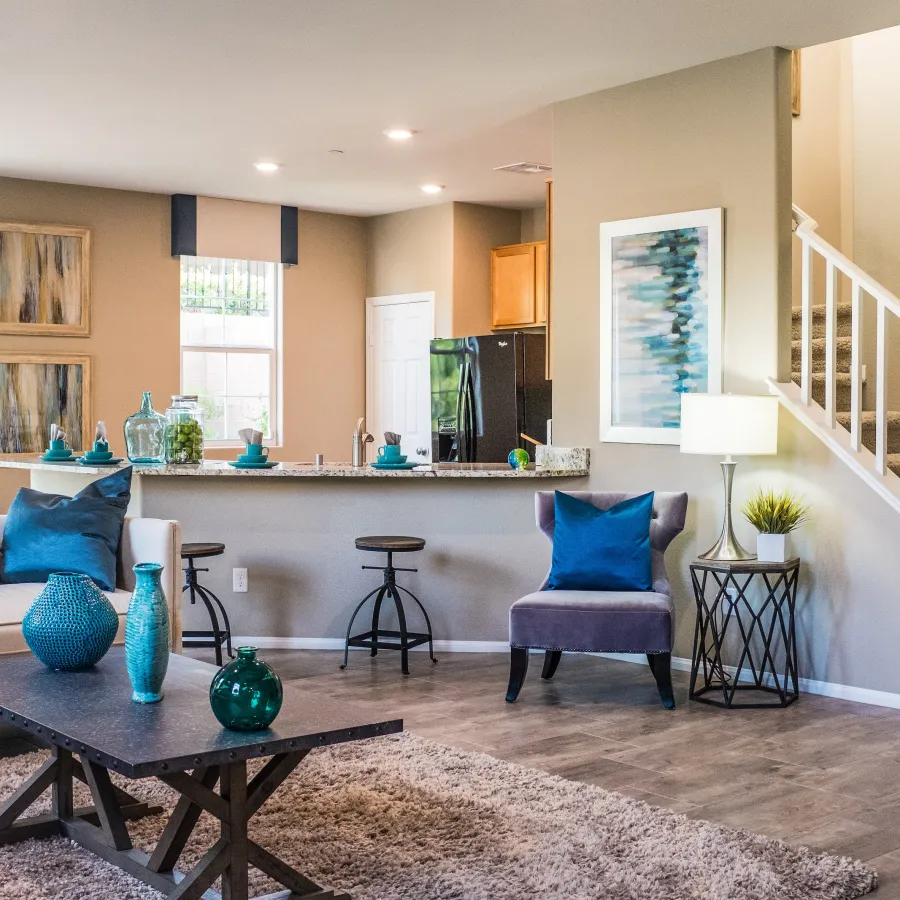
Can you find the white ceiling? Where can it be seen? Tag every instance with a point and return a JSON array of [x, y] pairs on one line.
[[184, 95]]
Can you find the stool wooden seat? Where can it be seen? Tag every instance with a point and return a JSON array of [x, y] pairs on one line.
[[201, 550], [378, 638], [390, 543]]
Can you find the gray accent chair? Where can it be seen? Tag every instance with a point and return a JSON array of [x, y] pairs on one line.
[[601, 621]]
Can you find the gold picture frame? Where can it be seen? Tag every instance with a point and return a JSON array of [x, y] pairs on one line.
[[45, 280], [40, 389]]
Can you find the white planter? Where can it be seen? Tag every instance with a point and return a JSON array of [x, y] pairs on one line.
[[773, 547]]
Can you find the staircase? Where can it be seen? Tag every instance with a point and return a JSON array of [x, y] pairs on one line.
[[825, 390], [843, 348]]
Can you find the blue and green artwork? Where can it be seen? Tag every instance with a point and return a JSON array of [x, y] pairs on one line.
[[660, 322]]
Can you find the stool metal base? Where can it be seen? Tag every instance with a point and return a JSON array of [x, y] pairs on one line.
[[402, 640], [216, 637]]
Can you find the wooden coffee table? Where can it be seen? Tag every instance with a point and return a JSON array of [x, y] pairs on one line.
[[94, 728]]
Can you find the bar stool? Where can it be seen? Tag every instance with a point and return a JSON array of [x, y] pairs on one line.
[[217, 637], [404, 639]]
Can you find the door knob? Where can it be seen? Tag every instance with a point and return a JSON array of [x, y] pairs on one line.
[[422, 451]]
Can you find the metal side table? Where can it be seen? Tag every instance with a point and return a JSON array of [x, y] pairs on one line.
[[754, 628]]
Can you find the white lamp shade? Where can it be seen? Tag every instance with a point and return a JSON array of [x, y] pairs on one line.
[[726, 424]]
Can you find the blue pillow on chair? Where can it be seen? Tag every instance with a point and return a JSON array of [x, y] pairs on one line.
[[601, 549], [48, 533]]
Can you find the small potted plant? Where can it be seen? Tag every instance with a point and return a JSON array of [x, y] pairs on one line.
[[774, 516]]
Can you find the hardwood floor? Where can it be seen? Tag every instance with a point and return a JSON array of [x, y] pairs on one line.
[[822, 773]]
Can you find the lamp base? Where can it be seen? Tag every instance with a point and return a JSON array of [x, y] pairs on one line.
[[727, 547]]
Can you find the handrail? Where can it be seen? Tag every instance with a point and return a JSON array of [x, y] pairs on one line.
[[806, 230], [886, 302]]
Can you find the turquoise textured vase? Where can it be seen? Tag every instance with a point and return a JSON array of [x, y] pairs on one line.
[[71, 623], [246, 695], [147, 635]]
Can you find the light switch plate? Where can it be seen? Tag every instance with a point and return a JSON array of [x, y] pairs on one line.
[[239, 581]]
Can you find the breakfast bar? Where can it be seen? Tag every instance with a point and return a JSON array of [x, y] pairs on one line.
[[293, 527]]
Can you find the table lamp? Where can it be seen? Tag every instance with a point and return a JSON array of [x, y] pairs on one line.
[[722, 425]]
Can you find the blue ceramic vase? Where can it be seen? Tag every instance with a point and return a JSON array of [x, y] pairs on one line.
[[71, 623], [147, 635], [246, 695]]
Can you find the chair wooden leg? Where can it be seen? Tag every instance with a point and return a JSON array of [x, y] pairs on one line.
[[661, 667], [518, 667], [551, 662]]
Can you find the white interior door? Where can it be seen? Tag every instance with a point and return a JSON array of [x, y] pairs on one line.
[[398, 371]]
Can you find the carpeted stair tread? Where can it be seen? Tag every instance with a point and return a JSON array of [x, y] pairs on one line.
[[844, 321], [893, 462], [868, 429], [841, 388], [843, 353]]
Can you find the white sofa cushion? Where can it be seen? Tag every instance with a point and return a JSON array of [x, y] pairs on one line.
[[16, 598]]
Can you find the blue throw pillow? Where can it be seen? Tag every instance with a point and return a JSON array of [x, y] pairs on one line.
[[47, 533], [601, 550]]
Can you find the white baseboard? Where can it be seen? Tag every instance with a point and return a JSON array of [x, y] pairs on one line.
[[302, 643], [680, 663], [807, 685]]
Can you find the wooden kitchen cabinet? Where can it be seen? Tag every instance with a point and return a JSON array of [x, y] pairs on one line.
[[519, 285]]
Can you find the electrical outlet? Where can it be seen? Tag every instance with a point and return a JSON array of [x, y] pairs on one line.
[[239, 581]]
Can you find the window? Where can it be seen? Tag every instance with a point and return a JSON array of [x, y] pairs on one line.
[[230, 309]]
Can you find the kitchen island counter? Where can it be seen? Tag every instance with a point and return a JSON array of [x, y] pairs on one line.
[[576, 465], [293, 529]]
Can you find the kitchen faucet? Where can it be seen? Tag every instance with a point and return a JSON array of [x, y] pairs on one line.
[[360, 439]]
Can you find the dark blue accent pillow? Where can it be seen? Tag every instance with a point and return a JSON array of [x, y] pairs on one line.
[[601, 550], [48, 533]]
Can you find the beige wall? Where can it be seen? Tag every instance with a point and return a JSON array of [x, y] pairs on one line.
[[718, 135], [412, 251], [134, 314], [476, 231], [534, 224], [445, 249], [876, 145], [135, 311]]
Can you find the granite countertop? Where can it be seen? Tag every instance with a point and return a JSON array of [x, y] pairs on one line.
[[565, 462]]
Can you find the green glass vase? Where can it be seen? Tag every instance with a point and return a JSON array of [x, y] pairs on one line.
[[246, 695]]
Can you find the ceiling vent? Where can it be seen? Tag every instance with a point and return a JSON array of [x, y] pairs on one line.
[[525, 168]]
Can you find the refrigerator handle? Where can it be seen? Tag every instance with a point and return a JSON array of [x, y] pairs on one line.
[[471, 426]]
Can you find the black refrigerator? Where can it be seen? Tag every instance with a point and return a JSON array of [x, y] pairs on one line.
[[486, 391]]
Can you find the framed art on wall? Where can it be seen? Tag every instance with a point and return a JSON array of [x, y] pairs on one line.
[[45, 280], [661, 313], [37, 390]]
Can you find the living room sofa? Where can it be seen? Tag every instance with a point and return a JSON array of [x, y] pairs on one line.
[[143, 540]]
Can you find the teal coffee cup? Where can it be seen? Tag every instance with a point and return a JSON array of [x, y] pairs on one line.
[[257, 452], [59, 448], [100, 452], [390, 453]]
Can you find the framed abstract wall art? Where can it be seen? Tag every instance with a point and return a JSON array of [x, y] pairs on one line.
[[37, 390], [45, 280], [661, 314]]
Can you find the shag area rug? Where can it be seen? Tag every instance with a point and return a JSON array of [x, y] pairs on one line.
[[403, 818]]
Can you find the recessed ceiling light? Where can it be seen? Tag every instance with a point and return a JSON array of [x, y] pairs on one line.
[[266, 166], [432, 188], [399, 134]]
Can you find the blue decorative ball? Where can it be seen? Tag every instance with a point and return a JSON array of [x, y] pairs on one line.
[[518, 458], [71, 624]]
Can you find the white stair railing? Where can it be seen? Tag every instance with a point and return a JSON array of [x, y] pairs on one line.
[[886, 302]]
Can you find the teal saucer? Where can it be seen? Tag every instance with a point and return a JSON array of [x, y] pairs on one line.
[[101, 462], [61, 460], [262, 465], [395, 466]]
